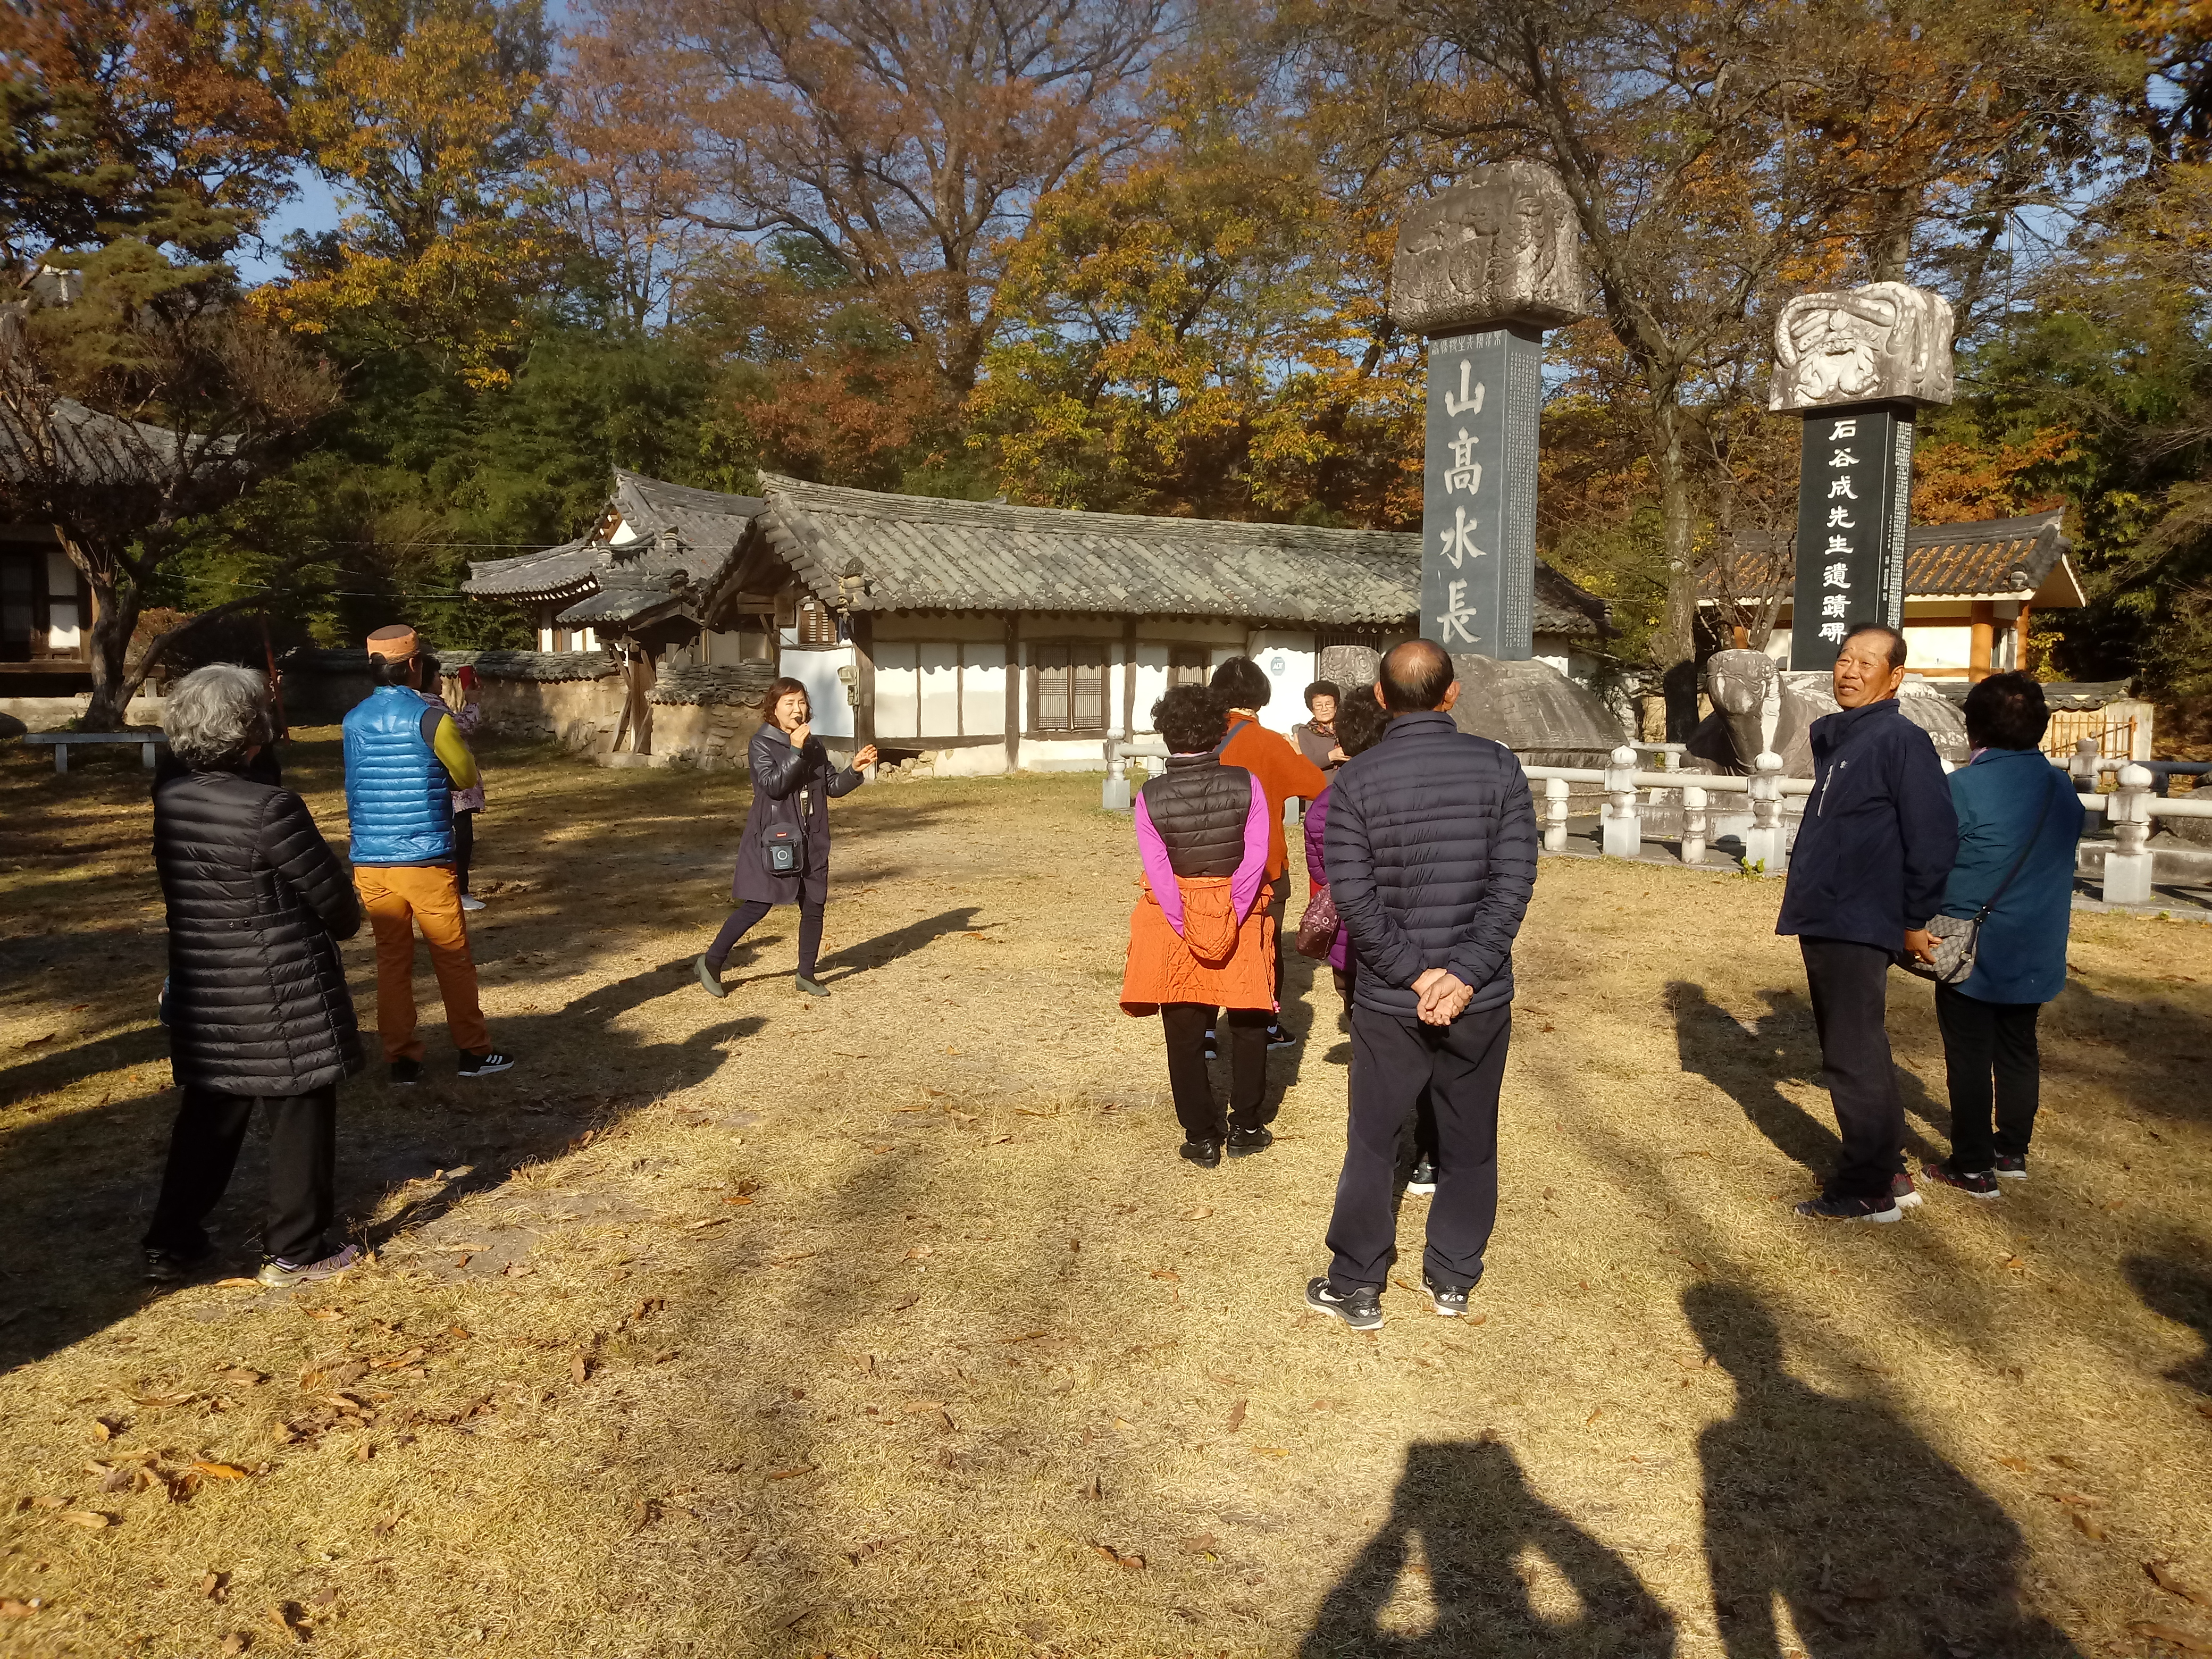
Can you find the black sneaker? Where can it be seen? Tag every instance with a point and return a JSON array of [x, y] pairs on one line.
[[485, 1064], [1213, 1051], [1903, 1193], [1242, 1143], [707, 976], [1976, 1184], [1207, 1154], [406, 1073], [1361, 1308], [1450, 1300], [1851, 1209], [1423, 1181], [172, 1266], [2010, 1166], [1279, 1038]]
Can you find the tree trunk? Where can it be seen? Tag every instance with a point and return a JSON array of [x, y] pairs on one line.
[[115, 618], [1673, 645]]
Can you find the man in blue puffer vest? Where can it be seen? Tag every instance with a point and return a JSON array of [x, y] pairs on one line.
[[1874, 850], [403, 759]]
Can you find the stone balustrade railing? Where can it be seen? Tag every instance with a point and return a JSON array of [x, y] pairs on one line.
[[2130, 810]]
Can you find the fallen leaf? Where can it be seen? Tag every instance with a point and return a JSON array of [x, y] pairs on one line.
[[101, 1431], [1092, 1489], [11, 1608], [212, 1586], [999, 1140], [1027, 1111], [518, 1269], [237, 1284], [1593, 1416], [2018, 1464], [711, 1221], [1273, 1451], [938, 1094], [2187, 1641], [244, 1376], [168, 1400], [1123, 1423], [93, 1520], [1134, 1563], [221, 1471], [1198, 1214], [352, 1371], [234, 1643], [282, 1618], [1478, 1319], [920, 1250], [963, 1118], [2091, 1527], [2164, 1577], [1167, 1274], [923, 1406], [325, 1313], [790, 1474], [738, 1198], [46, 1502], [36, 1041], [1236, 1418], [1200, 1545]]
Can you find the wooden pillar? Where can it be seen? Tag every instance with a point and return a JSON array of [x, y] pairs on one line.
[[864, 678], [1128, 675], [2020, 638], [1013, 692], [1981, 639]]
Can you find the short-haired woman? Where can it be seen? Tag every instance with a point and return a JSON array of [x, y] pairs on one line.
[[1201, 936], [257, 1008], [1315, 735], [783, 856], [2018, 821]]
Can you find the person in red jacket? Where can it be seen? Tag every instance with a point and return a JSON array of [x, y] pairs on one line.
[[1242, 687]]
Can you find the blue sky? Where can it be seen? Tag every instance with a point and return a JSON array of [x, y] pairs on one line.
[[313, 209]]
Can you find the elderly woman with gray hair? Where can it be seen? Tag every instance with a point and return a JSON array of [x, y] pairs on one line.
[[256, 1005]]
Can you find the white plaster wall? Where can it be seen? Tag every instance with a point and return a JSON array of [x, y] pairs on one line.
[[983, 687], [982, 760], [898, 701], [815, 668], [1938, 650], [1287, 660], [1152, 682], [932, 625], [1063, 755]]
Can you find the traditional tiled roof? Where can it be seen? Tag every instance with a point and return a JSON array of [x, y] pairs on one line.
[[1991, 559], [744, 683], [542, 666], [665, 529], [555, 572], [89, 448], [884, 552]]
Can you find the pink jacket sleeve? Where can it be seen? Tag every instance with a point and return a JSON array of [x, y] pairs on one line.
[[1160, 872], [1244, 886]]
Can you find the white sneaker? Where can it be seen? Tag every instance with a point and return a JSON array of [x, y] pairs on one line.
[[471, 901]]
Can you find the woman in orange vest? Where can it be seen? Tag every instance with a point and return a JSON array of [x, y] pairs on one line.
[[1202, 936]]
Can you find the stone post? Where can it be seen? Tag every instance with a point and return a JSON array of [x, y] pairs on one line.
[[1482, 271], [2127, 867], [1693, 824], [2083, 766], [1114, 797], [1765, 844], [1623, 823], [1555, 815], [1856, 365]]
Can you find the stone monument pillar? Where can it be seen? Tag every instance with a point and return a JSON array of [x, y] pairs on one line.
[[1482, 271], [1856, 365]]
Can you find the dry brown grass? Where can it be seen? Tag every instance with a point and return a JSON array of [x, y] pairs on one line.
[[978, 1366]]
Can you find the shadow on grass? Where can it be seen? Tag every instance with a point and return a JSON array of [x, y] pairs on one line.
[[75, 1188], [887, 948], [1802, 1497], [1470, 1508], [2175, 1288]]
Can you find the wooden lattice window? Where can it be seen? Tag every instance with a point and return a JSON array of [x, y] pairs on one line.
[[1186, 666], [1068, 686]]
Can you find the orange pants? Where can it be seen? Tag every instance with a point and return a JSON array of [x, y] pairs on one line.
[[400, 897]]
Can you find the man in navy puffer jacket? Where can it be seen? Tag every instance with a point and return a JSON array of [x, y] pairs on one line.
[[1431, 852], [1872, 853]]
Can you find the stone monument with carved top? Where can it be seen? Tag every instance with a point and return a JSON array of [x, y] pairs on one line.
[[1856, 364]]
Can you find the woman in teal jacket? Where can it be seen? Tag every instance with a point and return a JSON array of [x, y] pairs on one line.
[[2007, 796]]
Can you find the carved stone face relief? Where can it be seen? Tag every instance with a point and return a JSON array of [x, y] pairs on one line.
[[1501, 247], [1885, 342]]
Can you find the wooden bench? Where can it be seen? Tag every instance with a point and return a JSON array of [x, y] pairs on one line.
[[62, 742]]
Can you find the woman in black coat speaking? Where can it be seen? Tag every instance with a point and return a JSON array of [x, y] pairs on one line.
[[784, 854], [256, 1004]]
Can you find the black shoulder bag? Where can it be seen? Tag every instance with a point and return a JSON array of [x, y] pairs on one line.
[[1958, 938]]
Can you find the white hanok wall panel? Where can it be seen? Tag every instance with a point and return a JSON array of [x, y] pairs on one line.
[[937, 669], [898, 703]]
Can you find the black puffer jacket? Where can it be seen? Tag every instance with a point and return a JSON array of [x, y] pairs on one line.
[[1199, 808], [256, 903], [1431, 850], [780, 773]]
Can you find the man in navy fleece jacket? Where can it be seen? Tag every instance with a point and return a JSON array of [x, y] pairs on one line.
[[1874, 851]]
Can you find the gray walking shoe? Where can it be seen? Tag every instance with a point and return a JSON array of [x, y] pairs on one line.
[[281, 1275], [810, 987], [707, 976]]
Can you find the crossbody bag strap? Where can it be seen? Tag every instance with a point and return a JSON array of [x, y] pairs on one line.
[[2033, 836]]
